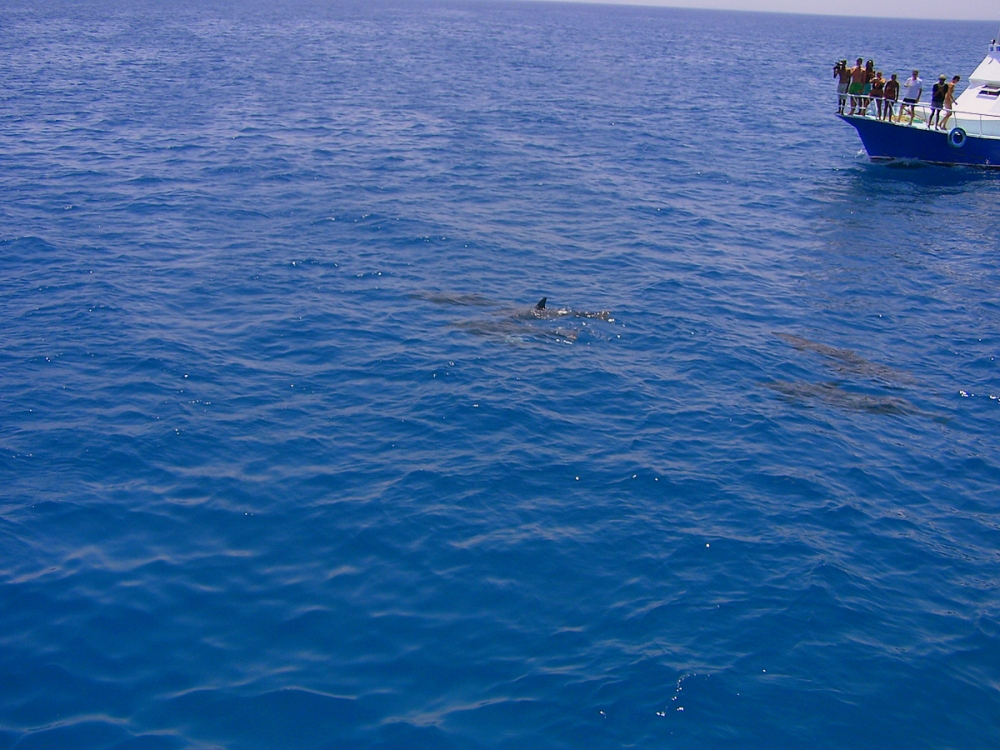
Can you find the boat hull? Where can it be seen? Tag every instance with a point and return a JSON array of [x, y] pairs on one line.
[[886, 141]]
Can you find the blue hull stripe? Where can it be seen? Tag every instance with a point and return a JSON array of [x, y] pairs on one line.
[[883, 140]]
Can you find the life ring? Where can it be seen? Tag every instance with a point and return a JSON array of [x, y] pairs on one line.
[[956, 138]]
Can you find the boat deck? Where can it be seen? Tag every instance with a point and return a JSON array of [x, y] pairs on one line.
[[974, 124]]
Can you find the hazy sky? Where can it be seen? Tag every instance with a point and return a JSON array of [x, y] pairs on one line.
[[956, 9]]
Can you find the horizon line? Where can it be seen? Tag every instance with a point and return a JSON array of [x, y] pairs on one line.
[[728, 8]]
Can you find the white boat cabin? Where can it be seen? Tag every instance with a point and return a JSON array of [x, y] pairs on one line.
[[977, 109]]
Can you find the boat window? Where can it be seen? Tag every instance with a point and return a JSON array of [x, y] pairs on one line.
[[990, 91]]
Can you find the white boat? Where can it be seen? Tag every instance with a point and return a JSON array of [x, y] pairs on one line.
[[973, 136]]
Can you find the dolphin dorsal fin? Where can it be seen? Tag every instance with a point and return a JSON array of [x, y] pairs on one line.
[[541, 304]]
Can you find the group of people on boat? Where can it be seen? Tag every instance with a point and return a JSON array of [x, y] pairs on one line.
[[865, 86]]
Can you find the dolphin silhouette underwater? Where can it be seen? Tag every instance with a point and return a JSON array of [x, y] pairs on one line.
[[834, 395], [888, 383], [847, 362]]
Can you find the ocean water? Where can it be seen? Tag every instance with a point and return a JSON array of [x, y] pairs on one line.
[[288, 460]]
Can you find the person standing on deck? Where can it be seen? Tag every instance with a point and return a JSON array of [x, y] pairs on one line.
[[843, 75], [857, 87], [890, 95], [878, 92], [949, 102], [938, 94], [867, 88], [912, 90]]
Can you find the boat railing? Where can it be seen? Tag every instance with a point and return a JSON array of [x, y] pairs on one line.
[[973, 123]]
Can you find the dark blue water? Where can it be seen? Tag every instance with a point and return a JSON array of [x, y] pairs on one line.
[[287, 460]]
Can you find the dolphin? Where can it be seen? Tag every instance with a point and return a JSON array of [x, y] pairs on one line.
[[541, 312], [847, 361], [457, 300], [834, 395], [535, 324], [517, 331]]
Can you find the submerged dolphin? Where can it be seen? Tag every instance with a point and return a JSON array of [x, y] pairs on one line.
[[520, 326], [847, 361], [852, 364], [516, 331], [458, 300], [834, 395]]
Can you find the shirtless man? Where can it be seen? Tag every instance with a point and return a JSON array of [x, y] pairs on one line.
[[949, 102], [889, 96], [857, 87], [878, 93], [866, 89]]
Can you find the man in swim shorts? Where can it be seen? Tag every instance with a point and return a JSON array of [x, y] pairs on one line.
[[949, 102], [867, 88], [889, 96], [878, 93], [857, 87]]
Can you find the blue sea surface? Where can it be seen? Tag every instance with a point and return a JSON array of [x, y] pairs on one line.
[[288, 459]]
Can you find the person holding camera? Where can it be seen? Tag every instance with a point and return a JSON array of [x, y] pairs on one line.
[[843, 75]]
